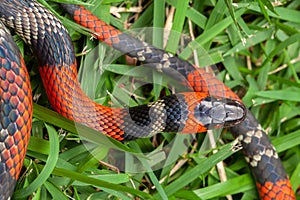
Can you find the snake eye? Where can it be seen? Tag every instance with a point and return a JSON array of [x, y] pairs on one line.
[[212, 112]]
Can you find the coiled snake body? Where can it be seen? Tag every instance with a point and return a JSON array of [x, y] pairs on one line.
[[186, 112]]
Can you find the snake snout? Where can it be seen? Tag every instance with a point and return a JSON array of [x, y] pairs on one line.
[[234, 113]]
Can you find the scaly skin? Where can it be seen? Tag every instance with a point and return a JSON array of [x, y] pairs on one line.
[[271, 179], [16, 112], [187, 112], [58, 70]]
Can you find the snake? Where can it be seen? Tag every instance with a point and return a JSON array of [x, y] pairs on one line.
[[210, 105]]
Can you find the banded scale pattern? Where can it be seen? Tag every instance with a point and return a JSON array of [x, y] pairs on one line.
[[59, 73], [15, 112], [167, 66], [198, 79], [52, 45], [175, 113], [271, 179], [188, 112]]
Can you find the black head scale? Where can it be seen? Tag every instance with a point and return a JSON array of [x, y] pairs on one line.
[[214, 112]]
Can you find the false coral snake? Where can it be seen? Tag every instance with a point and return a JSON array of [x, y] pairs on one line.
[[186, 112]]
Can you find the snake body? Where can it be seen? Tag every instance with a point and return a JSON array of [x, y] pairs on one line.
[[16, 112], [186, 112]]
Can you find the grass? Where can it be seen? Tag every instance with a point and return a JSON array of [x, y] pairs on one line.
[[256, 48]]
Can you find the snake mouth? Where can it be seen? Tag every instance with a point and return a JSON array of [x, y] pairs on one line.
[[214, 112]]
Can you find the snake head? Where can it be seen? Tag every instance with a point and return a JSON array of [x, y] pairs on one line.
[[214, 112]]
